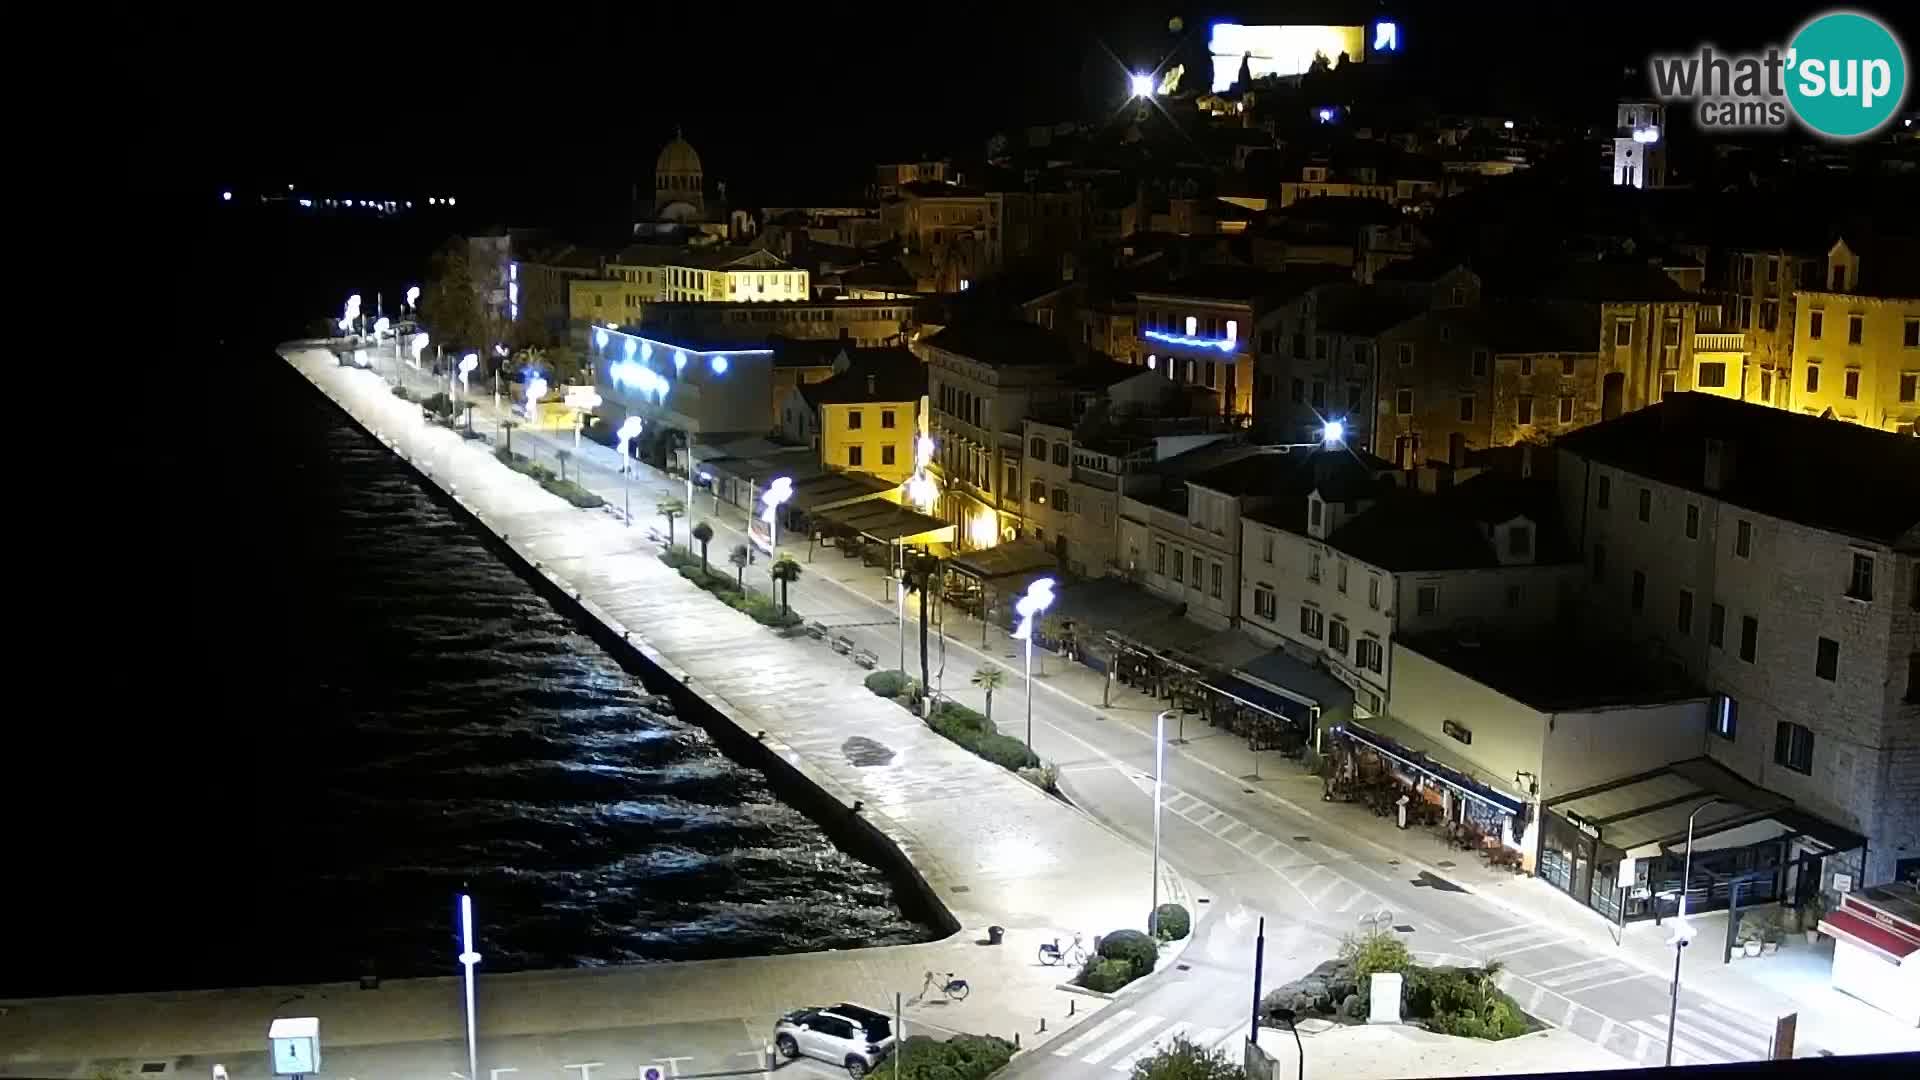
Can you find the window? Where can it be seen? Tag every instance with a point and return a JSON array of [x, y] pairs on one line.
[[853, 456], [1263, 602], [1856, 328], [1037, 492], [1037, 450], [1320, 348], [1479, 362], [886, 418], [1639, 593], [1860, 582], [1319, 395], [1313, 567], [1717, 626], [1373, 592], [1314, 509], [1219, 575], [1712, 374], [1910, 334], [1623, 332], [1062, 454], [1909, 387], [1816, 322], [1526, 365], [1160, 558], [1426, 599], [1466, 408], [1566, 366], [1368, 654], [1337, 637], [1826, 659], [886, 454], [1060, 502], [1793, 747], [1340, 575], [1769, 314], [1839, 279], [1566, 409], [1813, 377], [1196, 569], [1013, 482], [1455, 730], [1851, 384], [1599, 563], [1726, 717], [1685, 621], [1646, 504], [1312, 623], [1179, 565], [853, 419], [1297, 393], [1405, 353], [1743, 539], [1603, 497], [1403, 403], [1523, 409], [1749, 637], [1693, 522], [1266, 548], [1515, 594], [1519, 541]]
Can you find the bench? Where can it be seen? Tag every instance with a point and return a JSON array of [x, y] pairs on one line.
[[866, 659], [841, 644], [817, 630]]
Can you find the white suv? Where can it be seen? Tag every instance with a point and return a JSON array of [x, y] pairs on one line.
[[847, 1035]]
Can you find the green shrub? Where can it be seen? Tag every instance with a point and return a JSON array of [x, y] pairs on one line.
[[1044, 777], [1377, 950], [1464, 1002], [1104, 975], [961, 716], [888, 684], [574, 493], [963, 1057], [401, 392], [1136, 948], [1171, 922]]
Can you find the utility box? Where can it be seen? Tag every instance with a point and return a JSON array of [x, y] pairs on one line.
[[293, 1044], [1384, 1006]]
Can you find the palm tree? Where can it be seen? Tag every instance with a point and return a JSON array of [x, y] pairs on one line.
[[785, 571], [703, 532], [670, 509], [562, 456], [740, 557], [989, 679], [923, 576], [532, 359]]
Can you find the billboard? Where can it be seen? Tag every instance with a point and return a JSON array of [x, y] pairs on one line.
[[1279, 50]]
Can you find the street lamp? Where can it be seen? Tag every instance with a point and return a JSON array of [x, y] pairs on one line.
[[1287, 1017], [1159, 767], [1141, 84], [921, 489], [629, 431], [1682, 930], [467, 364], [1037, 599], [536, 389], [419, 345], [779, 491], [468, 958], [413, 299]]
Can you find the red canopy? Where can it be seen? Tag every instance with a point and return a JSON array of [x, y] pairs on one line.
[[1866, 932]]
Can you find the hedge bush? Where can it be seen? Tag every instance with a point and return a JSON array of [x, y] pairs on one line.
[[888, 684], [761, 609], [971, 730], [963, 1057], [566, 489], [1465, 1002], [401, 392], [1171, 922], [1136, 948], [1106, 976]]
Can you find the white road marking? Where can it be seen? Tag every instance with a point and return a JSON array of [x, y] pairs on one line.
[[1165, 1038], [1260, 853], [1497, 933], [1708, 1029], [1093, 1033], [1629, 977], [1119, 1042], [1656, 1027], [1331, 885], [1536, 975], [1506, 951]]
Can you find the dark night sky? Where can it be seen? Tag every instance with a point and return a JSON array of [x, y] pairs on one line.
[[534, 116]]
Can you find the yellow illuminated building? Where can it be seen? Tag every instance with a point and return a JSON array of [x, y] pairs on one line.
[[1856, 348], [872, 413]]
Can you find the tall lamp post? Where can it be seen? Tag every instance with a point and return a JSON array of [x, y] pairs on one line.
[[1159, 768], [419, 345], [629, 431], [1682, 930], [469, 958], [1037, 599], [779, 490]]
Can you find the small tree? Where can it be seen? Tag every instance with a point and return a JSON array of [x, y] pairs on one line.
[[786, 572], [740, 557], [563, 456], [1183, 1059], [670, 508], [989, 679], [702, 534]]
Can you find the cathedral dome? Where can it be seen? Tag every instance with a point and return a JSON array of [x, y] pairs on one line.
[[678, 159]]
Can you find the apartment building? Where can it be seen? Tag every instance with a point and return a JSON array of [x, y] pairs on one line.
[[1857, 339], [1199, 330], [1775, 557], [1337, 576]]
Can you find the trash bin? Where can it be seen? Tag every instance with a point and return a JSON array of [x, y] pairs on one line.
[[995, 933]]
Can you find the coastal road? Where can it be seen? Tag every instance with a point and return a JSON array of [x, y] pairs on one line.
[[1245, 852]]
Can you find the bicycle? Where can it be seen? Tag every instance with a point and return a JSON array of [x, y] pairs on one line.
[[954, 989], [1378, 922], [1073, 955]]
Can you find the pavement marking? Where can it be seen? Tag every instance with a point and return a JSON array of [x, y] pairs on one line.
[[1316, 868], [1093, 1033], [1629, 977], [1506, 951], [1607, 1027], [1536, 975], [1331, 885], [1228, 831], [1700, 1020], [1656, 1027], [1118, 1042], [1165, 1038], [1497, 933], [1261, 854]]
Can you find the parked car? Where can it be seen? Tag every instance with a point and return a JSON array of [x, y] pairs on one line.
[[848, 1035]]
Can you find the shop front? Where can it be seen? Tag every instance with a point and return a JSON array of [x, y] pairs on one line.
[[1876, 948], [1390, 767]]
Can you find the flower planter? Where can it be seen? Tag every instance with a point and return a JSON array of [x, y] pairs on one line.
[[1813, 937], [1769, 948], [1752, 948]]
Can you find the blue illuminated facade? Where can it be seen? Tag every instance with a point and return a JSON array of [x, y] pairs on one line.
[[681, 386]]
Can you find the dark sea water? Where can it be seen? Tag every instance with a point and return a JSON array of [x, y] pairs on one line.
[[322, 706]]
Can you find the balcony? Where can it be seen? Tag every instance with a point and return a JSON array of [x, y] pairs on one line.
[[1720, 342]]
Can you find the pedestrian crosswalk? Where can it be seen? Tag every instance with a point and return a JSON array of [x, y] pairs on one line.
[[1129, 1035], [1309, 872], [1702, 1035]]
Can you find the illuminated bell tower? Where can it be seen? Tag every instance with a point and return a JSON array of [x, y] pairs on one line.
[[1640, 145]]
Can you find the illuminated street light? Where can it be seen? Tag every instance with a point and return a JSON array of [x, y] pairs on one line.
[[413, 297], [921, 489], [629, 431], [226, 196], [1141, 84], [1682, 930], [779, 491], [1159, 769], [467, 364], [419, 345], [1037, 599], [469, 958], [1333, 433], [380, 326], [536, 389]]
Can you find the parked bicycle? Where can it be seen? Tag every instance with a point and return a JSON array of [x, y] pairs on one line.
[[1051, 953], [1378, 922], [954, 989]]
